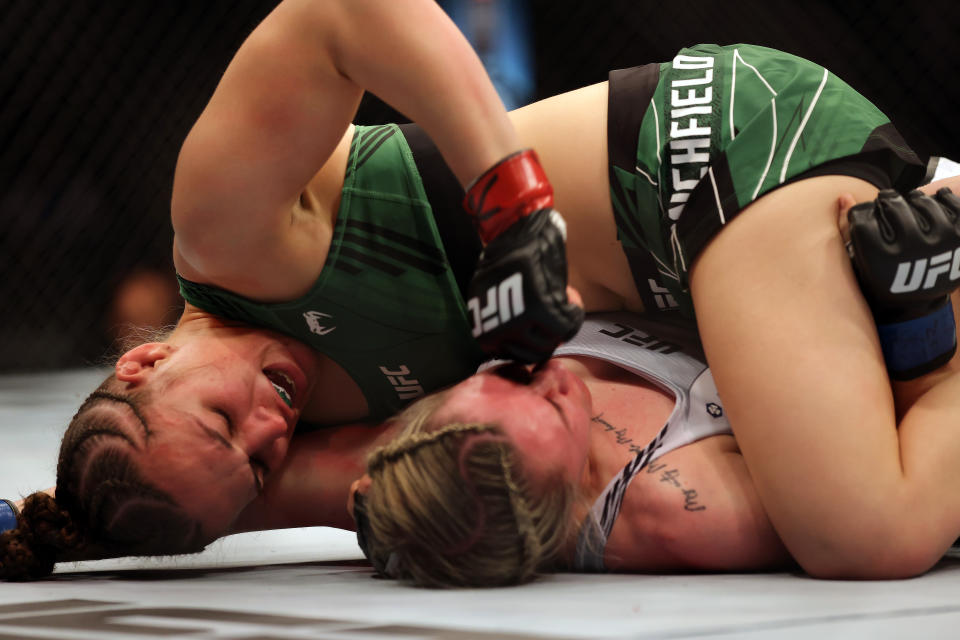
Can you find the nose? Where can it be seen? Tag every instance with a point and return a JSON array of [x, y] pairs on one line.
[[264, 435], [549, 380]]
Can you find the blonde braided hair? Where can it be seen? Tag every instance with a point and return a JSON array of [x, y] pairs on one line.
[[450, 506]]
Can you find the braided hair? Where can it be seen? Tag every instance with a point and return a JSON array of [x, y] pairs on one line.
[[450, 507], [103, 506]]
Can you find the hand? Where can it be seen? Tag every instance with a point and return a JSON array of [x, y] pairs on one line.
[[906, 252], [518, 296], [906, 249]]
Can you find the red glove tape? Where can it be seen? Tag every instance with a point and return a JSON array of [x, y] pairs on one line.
[[513, 188]]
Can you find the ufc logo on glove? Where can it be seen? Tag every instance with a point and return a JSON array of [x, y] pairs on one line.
[[504, 302], [939, 264]]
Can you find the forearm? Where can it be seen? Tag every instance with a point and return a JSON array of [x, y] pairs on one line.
[[411, 55], [287, 98]]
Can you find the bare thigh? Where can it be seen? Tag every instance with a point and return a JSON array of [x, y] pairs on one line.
[[796, 359]]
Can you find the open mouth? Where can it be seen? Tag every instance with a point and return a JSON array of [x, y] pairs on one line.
[[283, 384]]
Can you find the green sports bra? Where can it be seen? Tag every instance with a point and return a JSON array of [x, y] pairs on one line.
[[386, 306]]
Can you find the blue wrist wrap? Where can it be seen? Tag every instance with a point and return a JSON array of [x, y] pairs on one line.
[[914, 347], [8, 516]]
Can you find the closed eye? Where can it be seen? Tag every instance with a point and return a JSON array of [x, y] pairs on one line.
[[559, 412], [226, 418], [260, 471]]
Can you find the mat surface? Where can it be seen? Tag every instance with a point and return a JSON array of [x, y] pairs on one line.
[[312, 583]]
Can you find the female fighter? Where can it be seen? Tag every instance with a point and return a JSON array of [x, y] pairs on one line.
[[616, 455], [329, 277], [323, 284]]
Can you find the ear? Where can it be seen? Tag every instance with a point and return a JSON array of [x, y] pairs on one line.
[[361, 486], [139, 362]]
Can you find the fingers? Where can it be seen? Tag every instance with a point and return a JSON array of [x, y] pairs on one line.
[[948, 211], [930, 214], [950, 202], [844, 203], [897, 219]]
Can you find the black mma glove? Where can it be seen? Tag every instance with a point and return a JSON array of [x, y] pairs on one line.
[[906, 253], [518, 295]]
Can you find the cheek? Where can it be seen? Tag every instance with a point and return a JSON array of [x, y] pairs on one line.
[[217, 501], [202, 478], [581, 427], [543, 439], [576, 460]]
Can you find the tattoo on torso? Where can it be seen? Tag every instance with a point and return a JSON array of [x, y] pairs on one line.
[[691, 501]]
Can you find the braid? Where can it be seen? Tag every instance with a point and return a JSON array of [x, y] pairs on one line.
[[45, 531], [532, 546], [393, 451], [449, 507], [103, 506]]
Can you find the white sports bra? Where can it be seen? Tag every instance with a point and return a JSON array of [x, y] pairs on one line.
[[669, 357]]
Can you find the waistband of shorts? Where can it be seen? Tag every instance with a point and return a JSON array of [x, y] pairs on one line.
[[628, 95]]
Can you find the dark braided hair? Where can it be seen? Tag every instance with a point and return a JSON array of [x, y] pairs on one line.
[[103, 506]]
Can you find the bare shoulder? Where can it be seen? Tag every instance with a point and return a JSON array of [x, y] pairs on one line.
[[273, 258], [250, 202], [694, 508]]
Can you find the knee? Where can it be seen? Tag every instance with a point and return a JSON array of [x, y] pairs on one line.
[[889, 559]]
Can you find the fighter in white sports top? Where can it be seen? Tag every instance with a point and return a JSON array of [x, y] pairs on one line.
[[669, 358]]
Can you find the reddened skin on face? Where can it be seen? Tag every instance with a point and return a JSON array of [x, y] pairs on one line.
[[548, 419]]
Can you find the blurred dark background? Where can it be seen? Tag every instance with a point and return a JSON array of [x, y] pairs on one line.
[[97, 95]]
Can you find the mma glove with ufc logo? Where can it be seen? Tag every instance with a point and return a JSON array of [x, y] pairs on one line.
[[517, 298], [906, 253]]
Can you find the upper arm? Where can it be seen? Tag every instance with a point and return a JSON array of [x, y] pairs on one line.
[[292, 90], [277, 114]]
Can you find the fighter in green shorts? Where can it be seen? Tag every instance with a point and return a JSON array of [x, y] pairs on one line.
[[692, 142], [722, 126], [193, 436]]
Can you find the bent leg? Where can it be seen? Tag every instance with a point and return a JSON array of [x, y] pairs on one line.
[[796, 359]]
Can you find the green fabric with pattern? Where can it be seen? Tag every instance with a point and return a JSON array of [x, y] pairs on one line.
[[386, 306], [726, 125]]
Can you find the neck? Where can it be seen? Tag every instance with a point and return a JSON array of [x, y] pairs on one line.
[[628, 412], [196, 320]]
